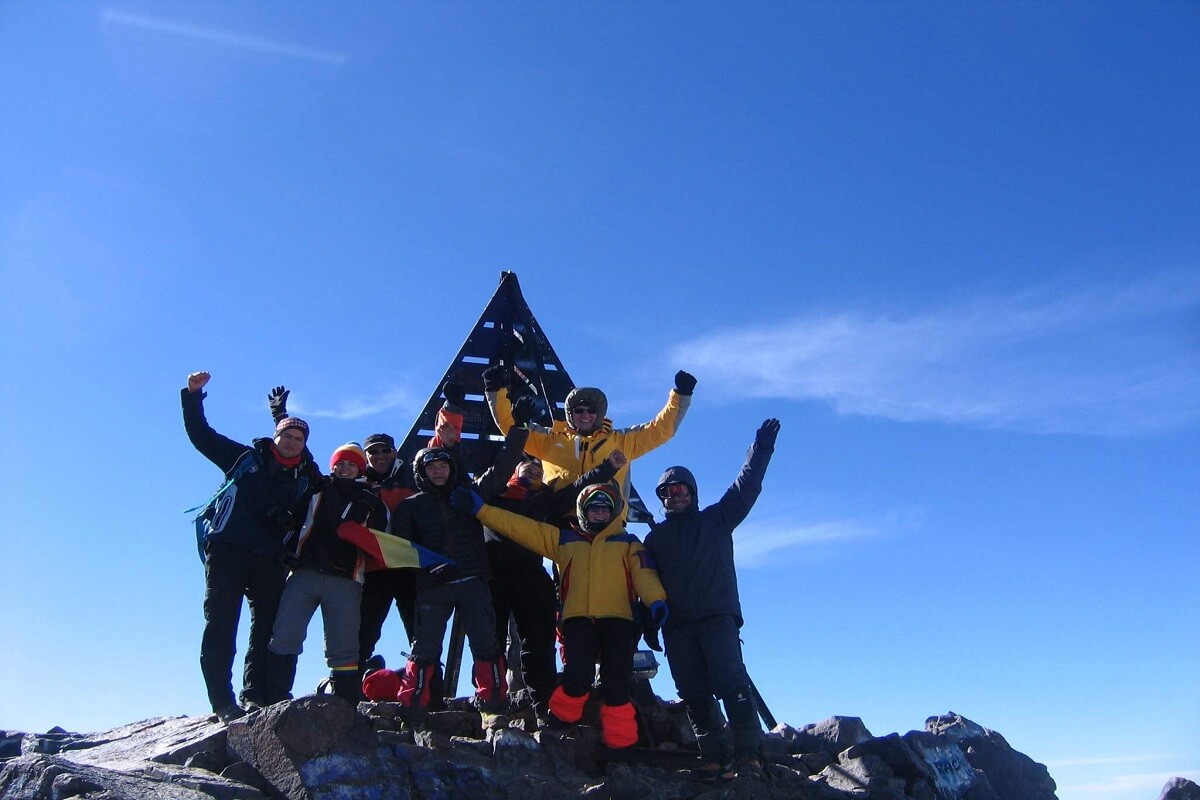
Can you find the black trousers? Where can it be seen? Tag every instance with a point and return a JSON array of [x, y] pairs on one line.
[[609, 641], [528, 595], [231, 573], [380, 590]]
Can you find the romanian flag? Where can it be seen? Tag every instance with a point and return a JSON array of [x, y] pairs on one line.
[[385, 551]]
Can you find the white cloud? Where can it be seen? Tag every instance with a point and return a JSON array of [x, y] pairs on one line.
[[357, 408], [1112, 361], [763, 542], [221, 37]]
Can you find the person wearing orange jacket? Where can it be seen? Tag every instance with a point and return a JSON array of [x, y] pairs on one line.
[[604, 571]]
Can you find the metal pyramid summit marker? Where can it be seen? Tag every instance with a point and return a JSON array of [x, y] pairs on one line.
[[505, 333]]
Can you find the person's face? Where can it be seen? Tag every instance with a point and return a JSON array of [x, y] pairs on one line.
[[530, 470], [289, 442], [583, 418], [345, 469], [679, 497], [598, 516], [380, 457], [438, 472]]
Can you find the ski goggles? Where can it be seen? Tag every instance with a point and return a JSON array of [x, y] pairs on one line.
[[599, 500], [435, 455], [669, 490]]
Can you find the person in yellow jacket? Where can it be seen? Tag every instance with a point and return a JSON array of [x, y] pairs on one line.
[[570, 448], [604, 570]]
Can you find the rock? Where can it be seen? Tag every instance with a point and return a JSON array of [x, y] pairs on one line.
[[832, 735], [1011, 775], [36, 777], [1180, 789], [318, 746]]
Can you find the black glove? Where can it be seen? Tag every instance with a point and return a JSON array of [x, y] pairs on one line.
[[524, 411], [650, 634], [444, 573], [765, 436], [466, 500], [454, 393], [277, 400], [685, 383], [496, 378]]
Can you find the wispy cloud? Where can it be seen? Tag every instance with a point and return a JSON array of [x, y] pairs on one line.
[[1144, 784], [764, 541], [1108, 361], [358, 408], [224, 38]]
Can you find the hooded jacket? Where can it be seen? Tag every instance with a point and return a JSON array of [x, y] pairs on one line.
[[566, 454], [429, 519], [693, 549], [267, 500], [601, 575]]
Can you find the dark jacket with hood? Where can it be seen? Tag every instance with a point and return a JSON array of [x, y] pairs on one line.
[[266, 502], [318, 547], [693, 549], [547, 502], [429, 519]]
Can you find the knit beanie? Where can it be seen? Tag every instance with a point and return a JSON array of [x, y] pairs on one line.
[[352, 452], [292, 422]]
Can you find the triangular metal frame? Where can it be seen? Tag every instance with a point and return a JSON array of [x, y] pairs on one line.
[[505, 333]]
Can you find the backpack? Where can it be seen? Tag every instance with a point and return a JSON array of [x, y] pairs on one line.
[[211, 520]]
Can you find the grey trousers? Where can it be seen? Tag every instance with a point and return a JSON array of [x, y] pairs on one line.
[[338, 598]]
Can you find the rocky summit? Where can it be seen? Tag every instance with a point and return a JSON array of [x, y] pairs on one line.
[[321, 747]]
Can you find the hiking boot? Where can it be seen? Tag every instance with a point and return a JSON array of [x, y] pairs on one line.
[[229, 713], [749, 767], [712, 772]]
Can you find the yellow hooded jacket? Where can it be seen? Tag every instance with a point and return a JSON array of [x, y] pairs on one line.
[[566, 454], [600, 577]]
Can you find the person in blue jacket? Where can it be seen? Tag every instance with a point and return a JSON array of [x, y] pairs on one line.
[[693, 550], [267, 487]]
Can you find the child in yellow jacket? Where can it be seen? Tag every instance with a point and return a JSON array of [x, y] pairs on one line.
[[604, 570]]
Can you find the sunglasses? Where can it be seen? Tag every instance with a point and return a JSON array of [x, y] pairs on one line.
[[374, 451], [583, 410]]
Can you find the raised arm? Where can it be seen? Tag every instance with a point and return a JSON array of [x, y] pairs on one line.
[[641, 439], [560, 502], [740, 497], [492, 482], [221, 450]]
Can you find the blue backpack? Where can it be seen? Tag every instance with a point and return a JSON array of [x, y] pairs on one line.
[[211, 520]]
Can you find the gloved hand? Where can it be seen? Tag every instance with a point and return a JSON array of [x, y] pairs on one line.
[[277, 401], [444, 573], [650, 636], [658, 612], [685, 383], [454, 393], [466, 500], [765, 437], [524, 410], [496, 378]]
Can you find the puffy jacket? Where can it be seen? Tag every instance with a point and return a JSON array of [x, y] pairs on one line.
[[391, 487], [267, 501], [693, 549], [566, 454], [600, 576], [318, 547], [428, 519]]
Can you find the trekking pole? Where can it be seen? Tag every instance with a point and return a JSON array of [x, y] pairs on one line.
[[453, 658], [767, 717]]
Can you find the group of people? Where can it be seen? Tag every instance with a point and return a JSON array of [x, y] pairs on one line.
[[286, 537]]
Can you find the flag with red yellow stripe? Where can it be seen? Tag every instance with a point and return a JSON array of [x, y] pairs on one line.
[[385, 551]]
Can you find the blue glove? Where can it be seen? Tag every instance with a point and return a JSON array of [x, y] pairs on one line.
[[658, 612], [465, 500]]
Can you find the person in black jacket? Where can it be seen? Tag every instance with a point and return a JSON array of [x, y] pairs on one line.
[[693, 550], [328, 572], [262, 501], [428, 519]]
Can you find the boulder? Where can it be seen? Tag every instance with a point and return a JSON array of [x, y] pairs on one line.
[[39, 776], [1180, 789]]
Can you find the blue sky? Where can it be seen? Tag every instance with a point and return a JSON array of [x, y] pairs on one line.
[[952, 246]]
